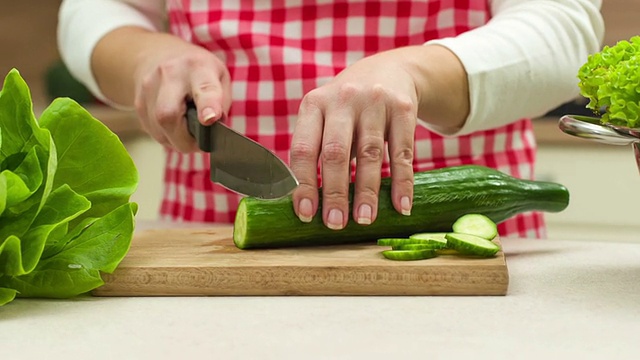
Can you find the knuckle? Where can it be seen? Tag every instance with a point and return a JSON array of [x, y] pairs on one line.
[[147, 82], [193, 60], [207, 91], [335, 196], [368, 191], [403, 182], [306, 189], [206, 87], [204, 59], [405, 106], [312, 100], [371, 151], [348, 91], [335, 153], [378, 92], [166, 114], [301, 151], [168, 68], [403, 156]]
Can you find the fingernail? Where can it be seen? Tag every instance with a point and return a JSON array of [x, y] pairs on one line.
[[405, 205], [364, 214], [334, 222], [208, 114], [305, 209]]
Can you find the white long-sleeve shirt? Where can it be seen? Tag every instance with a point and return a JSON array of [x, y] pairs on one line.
[[522, 63]]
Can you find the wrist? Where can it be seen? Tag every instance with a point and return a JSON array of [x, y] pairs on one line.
[[441, 86]]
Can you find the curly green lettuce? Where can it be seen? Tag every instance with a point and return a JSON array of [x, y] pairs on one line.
[[610, 79]]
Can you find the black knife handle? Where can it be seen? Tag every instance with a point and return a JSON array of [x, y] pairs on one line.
[[201, 132]]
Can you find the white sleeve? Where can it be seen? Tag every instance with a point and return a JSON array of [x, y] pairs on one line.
[[82, 23], [525, 60]]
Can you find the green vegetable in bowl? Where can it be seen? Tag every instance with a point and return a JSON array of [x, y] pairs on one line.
[[65, 186], [610, 79]]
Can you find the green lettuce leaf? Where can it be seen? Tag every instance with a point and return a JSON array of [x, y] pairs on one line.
[[22, 180], [75, 269], [18, 219], [611, 81], [27, 157], [6, 295], [3, 195], [108, 177], [63, 205], [20, 130], [22, 135], [11, 256]]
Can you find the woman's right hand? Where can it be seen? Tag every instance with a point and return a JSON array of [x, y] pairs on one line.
[[165, 80]]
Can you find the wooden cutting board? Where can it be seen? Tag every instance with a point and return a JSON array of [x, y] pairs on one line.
[[205, 262]]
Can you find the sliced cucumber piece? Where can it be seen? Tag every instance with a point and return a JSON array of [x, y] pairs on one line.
[[447, 251], [417, 247], [400, 241], [471, 244], [476, 224], [405, 255], [437, 239]]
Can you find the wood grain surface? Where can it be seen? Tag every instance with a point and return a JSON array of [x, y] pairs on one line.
[[205, 262]]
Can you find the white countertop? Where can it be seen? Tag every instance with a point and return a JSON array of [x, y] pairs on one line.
[[566, 299]]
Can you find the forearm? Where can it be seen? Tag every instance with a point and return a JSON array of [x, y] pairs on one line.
[[524, 62], [82, 24]]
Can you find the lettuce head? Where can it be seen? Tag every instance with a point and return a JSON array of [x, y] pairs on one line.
[[65, 185], [610, 79]]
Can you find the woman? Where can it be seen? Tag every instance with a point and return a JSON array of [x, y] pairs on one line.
[[402, 86]]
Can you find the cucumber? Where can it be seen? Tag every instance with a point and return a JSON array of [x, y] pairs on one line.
[[405, 255], [437, 239], [447, 251], [440, 197], [476, 224], [399, 241], [468, 244], [425, 242], [426, 246]]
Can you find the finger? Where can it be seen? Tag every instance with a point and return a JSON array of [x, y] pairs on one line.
[[369, 149], [144, 104], [305, 150], [207, 92], [401, 141], [170, 109], [336, 167]]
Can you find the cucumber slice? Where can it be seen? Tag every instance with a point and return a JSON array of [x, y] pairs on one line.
[[447, 251], [471, 245], [406, 255], [417, 247], [476, 224], [437, 239], [400, 241]]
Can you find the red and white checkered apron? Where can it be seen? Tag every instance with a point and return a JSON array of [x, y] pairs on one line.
[[277, 51]]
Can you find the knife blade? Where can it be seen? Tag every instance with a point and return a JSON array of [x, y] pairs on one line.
[[239, 163]]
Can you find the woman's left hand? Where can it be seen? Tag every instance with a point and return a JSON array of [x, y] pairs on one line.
[[377, 99], [371, 101]]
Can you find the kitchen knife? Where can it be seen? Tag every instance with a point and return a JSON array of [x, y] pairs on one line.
[[239, 163]]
